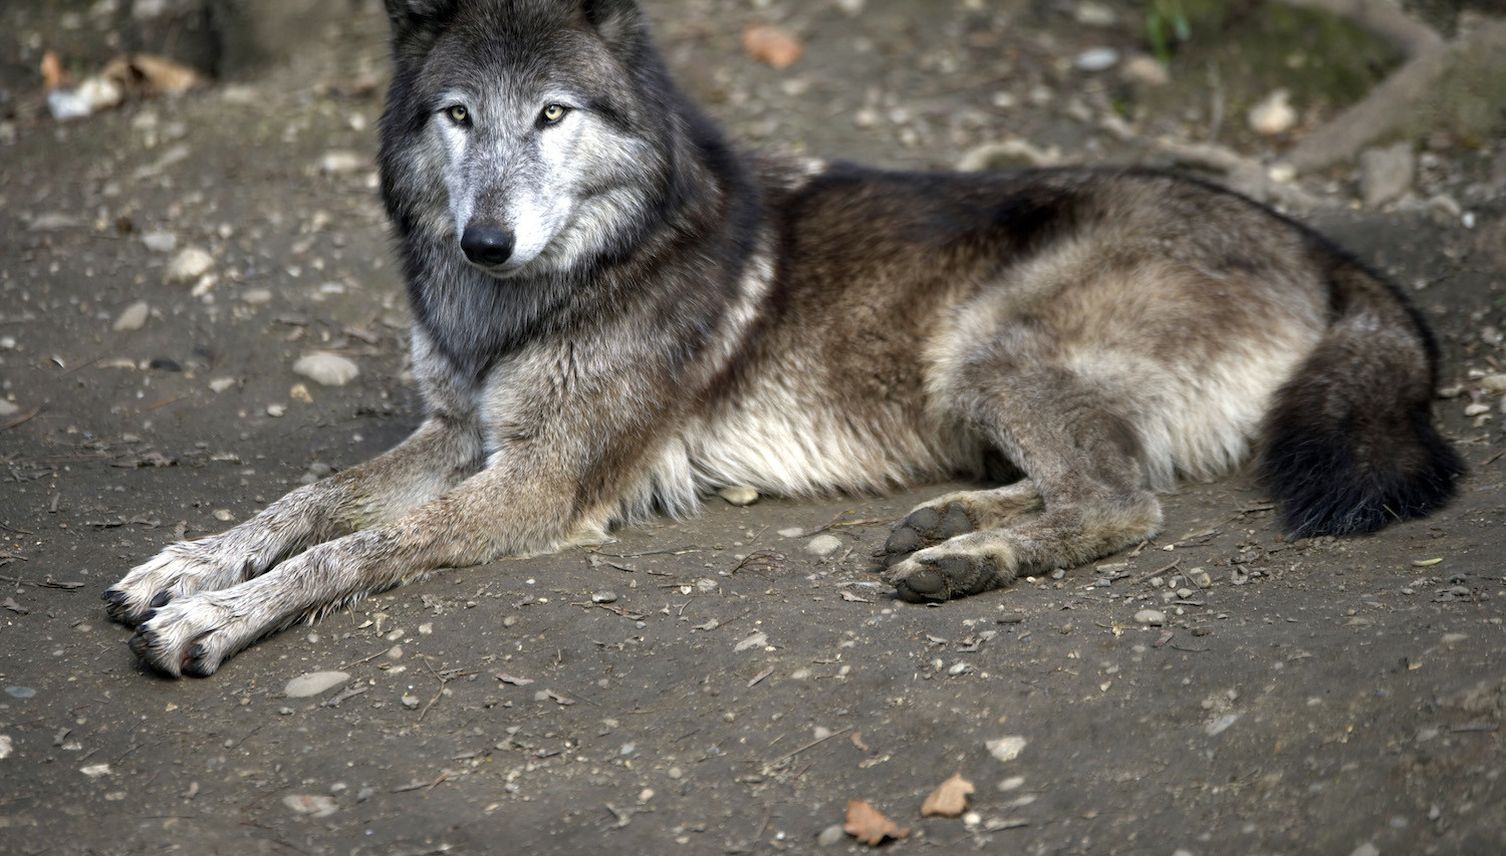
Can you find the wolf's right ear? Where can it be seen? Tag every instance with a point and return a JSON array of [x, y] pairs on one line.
[[410, 16], [617, 22]]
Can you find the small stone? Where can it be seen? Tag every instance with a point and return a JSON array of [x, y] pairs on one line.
[[133, 317], [1386, 173], [831, 836], [20, 692], [6, 746], [604, 597], [1153, 617], [1097, 59], [314, 683], [1145, 70], [1274, 115], [739, 495], [9, 408], [410, 701], [1366, 849], [1200, 577], [299, 392], [223, 515], [1006, 748], [188, 265], [220, 384], [325, 368], [1476, 409], [823, 545], [791, 532], [314, 805], [276, 410], [1493, 383], [341, 162], [1013, 783], [1091, 14], [159, 241], [256, 296], [94, 771], [1184, 593], [1221, 724]]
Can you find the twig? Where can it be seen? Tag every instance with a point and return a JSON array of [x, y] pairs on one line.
[[1157, 572], [23, 418], [811, 745]]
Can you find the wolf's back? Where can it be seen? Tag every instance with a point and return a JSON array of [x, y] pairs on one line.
[[1350, 445]]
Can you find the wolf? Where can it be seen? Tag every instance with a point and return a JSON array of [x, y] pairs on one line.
[[616, 311]]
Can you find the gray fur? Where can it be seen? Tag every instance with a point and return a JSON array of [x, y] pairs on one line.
[[680, 317]]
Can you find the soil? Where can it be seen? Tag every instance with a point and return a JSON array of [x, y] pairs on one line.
[[734, 691]]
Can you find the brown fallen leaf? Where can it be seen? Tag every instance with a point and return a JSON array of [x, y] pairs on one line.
[[949, 799], [869, 825], [772, 45], [148, 74]]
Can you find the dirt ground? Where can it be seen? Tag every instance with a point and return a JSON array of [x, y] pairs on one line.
[[709, 685]]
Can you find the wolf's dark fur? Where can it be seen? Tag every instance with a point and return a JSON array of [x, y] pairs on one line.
[[672, 315]]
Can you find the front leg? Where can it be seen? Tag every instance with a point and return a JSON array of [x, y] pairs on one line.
[[497, 512], [434, 458]]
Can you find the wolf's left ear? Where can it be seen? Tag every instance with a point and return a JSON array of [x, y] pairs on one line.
[[618, 22]]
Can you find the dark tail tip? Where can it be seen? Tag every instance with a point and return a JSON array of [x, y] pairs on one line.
[[1348, 479]]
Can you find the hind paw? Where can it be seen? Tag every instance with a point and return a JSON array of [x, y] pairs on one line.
[[958, 568], [925, 527]]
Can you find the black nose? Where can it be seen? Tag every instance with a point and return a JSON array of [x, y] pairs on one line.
[[486, 245]]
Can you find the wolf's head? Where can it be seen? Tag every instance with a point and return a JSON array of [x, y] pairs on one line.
[[526, 135]]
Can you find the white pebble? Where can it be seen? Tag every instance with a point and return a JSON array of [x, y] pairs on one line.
[[1274, 115], [314, 683], [1006, 748], [160, 242], [738, 495], [1097, 59], [188, 265], [326, 368], [134, 317], [340, 162], [823, 545], [1153, 617]]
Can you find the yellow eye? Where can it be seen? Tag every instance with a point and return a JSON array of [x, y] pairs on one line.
[[553, 113], [458, 114]]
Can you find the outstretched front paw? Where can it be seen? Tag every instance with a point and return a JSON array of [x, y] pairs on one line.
[[956, 568], [191, 635], [180, 569]]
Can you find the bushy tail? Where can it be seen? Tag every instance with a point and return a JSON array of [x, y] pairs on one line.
[[1350, 445]]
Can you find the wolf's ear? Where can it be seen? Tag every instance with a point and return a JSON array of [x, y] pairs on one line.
[[409, 16], [618, 22]]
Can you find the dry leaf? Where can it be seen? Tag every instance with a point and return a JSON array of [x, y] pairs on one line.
[[148, 74], [53, 74], [949, 799], [869, 825], [772, 45]]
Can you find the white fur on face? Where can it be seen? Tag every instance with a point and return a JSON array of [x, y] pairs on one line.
[[540, 183]]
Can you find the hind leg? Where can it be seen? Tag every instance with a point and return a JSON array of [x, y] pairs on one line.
[[1079, 450]]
